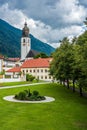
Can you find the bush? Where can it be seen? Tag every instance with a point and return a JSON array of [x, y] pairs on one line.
[[35, 93], [27, 95], [21, 96], [33, 98], [29, 77]]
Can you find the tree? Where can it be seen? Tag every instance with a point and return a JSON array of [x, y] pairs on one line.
[[41, 55], [82, 61], [70, 62], [61, 66], [85, 22]]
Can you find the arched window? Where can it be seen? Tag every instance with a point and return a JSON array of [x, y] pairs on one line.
[[33, 70], [24, 40], [26, 71], [45, 70]]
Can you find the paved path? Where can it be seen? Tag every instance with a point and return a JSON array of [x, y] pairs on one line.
[[7, 87]]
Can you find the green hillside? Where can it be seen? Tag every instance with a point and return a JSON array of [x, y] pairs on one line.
[[10, 38]]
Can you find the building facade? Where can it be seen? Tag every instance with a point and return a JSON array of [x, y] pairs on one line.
[[39, 68]]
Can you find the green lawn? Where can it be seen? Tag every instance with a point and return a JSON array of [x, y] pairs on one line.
[[17, 83], [67, 112], [12, 83]]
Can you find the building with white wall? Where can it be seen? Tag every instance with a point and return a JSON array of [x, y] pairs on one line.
[[1, 63], [27, 65], [9, 63], [36, 67]]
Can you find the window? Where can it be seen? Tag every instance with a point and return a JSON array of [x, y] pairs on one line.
[[26, 71], [37, 70], [24, 40], [45, 70], [45, 77], [49, 77], [23, 71], [33, 70], [41, 70], [30, 70]]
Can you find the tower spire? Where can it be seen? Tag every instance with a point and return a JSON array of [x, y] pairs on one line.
[[25, 31], [25, 21]]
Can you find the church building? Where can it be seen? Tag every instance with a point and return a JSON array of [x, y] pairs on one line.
[[37, 67], [26, 51]]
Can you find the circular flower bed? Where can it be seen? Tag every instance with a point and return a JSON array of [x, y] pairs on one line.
[[28, 96], [12, 99]]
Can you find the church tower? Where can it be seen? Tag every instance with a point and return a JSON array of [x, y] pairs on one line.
[[25, 42]]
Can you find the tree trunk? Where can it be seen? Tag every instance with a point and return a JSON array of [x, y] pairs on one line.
[[80, 89], [61, 82], [67, 83], [73, 85], [64, 82]]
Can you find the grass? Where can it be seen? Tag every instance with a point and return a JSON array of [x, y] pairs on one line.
[[68, 112], [17, 83]]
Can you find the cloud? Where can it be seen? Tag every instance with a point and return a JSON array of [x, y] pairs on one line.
[[83, 2], [73, 13], [56, 13], [48, 21], [14, 17]]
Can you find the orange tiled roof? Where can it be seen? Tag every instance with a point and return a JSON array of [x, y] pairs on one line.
[[14, 59], [15, 69], [37, 63]]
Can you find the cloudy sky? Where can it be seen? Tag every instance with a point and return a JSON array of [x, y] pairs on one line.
[[48, 20]]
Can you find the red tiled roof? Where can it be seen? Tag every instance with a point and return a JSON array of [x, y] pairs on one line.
[[14, 59], [37, 63], [15, 69]]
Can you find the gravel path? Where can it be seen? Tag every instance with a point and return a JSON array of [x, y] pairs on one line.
[[24, 85]]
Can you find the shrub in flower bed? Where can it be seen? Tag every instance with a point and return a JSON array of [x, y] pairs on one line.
[[27, 95]]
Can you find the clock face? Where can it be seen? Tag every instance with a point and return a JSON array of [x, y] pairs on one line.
[[24, 44]]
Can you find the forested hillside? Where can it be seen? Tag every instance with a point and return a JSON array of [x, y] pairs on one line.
[[10, 38]]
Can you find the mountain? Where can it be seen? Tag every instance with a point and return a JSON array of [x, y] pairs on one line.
[[10, 38]]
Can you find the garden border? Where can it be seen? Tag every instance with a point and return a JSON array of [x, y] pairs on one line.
[[12, 99]]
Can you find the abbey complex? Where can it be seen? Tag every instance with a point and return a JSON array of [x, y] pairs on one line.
[[18, 67]]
